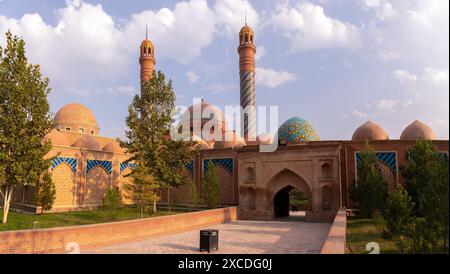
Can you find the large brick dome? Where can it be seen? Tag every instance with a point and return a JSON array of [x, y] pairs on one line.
[[76, 117], [370, 131], [200, 110], [296, 129], [418, 130]]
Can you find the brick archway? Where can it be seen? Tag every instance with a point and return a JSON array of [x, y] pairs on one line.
[[279, 187]]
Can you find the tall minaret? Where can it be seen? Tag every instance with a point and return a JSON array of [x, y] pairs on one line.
[[247, 52], [147, 59]]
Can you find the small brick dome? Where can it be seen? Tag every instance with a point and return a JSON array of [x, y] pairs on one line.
[[88, 142], [113, 147], [234, 141], [264, 139], [57, 138], [418, 130], [370, 131], [201, 144]]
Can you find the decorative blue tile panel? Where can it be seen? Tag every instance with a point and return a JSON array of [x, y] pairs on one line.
[[190, 166], [225, 162], [107, 165], [388, 158], [72, 162], [125, 165]]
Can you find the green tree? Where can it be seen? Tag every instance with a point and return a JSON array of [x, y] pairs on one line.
[[398, 212], [24, 121], [142, 189], [422, 158], [370, 191], [46, 193], [211, 188], [434, 200], [148, 138], [113, 199], [193, 193]]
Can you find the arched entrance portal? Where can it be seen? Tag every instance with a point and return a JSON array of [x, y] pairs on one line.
[[290, 192]]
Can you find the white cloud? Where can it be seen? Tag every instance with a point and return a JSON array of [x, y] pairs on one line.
[[359, 114], [383, 8], [86, 45], [179, 34], [435, 76], [404, 76], [308, 27], [230, 15], [271, 78], [386, 104], [416, 34], [191, 76]]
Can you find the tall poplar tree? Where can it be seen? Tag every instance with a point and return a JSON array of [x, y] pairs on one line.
[[150, 121], [24, 121]]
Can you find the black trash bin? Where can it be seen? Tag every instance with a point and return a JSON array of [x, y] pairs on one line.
[[209, 240]]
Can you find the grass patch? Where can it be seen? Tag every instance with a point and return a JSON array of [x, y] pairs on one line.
[[20, 221], [361, 231]]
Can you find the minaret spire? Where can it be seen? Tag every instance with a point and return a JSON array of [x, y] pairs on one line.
[[246, 17], [146, 32]]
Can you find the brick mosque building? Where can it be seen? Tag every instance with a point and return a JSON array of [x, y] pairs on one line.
[[258, 182]]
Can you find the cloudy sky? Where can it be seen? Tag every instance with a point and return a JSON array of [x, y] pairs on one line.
[[334, 63]]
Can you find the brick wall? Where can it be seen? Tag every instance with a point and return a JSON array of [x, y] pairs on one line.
[[55, 240], [336, 239]]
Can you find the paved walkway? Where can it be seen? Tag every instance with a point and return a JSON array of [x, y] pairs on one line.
[[286, 235]]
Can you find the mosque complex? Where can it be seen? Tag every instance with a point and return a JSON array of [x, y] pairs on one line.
[[257, 182]]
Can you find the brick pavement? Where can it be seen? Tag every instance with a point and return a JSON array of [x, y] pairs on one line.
[[287, 235]]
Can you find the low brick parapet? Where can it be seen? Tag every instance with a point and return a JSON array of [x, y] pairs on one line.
[[336, 239], [62, 239]]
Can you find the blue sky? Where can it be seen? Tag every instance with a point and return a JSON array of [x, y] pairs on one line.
[[334, 63]]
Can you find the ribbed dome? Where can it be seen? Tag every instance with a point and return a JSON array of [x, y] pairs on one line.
[[113, 147], [231, 141], [418, 130], [201, 144], [88, 142], [245, 29], [147, 43], [76, 116], [57, 138], [296, 129], [370, 131]]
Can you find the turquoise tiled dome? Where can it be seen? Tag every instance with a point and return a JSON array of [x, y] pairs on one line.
[[297, 130]]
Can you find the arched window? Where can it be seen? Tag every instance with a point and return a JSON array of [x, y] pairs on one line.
[[149, 51], [145, 51], [251, 38], [246, 38]]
